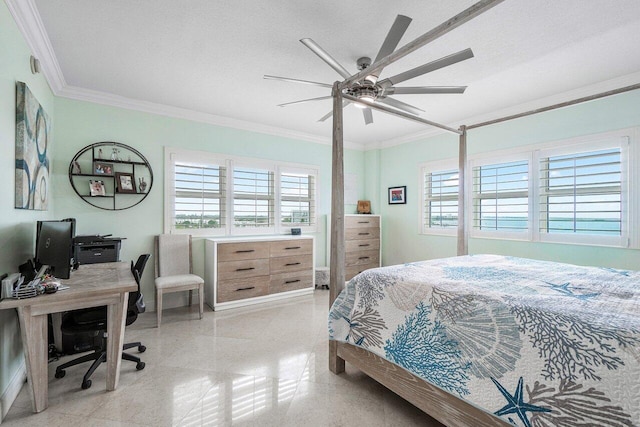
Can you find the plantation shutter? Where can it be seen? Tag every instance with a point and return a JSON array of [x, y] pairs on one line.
[[297, 199], [500, 195], [253, 197], [581, 193], [199, 196], [441, 199]]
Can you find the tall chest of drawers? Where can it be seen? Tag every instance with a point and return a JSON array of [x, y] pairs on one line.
[[243, 271], [362, 243]]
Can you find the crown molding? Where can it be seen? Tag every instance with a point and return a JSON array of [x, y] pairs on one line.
[[26, 16], [593, 89]]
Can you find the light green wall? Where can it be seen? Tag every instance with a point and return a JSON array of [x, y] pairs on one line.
[[401, 239], [17, 227], [80, 123]]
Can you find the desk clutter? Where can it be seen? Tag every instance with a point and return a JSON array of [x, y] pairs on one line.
[[15, 286]]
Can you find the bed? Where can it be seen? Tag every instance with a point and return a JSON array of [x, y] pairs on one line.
[[475, 339]]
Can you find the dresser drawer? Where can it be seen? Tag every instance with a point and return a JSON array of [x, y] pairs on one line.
[[361, 233], [231, 270], [354, 270], [283, 282], [362, 221], [291, 247], [361, 245], [232, 290], [362, 257], [242, 250], [291, 263]]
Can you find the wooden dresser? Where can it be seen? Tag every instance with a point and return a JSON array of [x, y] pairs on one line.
[[249, 270], [362, 243]]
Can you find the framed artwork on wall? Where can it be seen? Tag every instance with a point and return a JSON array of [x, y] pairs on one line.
[[33, 130], [398, 195]]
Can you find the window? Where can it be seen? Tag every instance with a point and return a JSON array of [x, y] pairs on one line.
[[199, 196], [572, 191], [253, 198], [582, 193], [501, 197], [440, 200], [297, 201], [212, 195]]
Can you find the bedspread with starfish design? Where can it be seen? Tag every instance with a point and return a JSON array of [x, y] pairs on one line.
[[538, 343]]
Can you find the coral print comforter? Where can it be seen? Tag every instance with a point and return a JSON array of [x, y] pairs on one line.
[[537, 343]]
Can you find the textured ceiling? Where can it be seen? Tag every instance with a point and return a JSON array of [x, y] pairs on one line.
[[209, 57]]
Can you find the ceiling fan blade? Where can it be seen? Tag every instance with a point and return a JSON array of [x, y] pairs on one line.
[[368, 116], [424, 90], [315, 48], [287, 79], [400, 105], [304, 100], [427, 68], [394, 35], [330, 113]]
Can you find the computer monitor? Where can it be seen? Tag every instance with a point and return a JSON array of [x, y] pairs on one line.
[[54, 246]]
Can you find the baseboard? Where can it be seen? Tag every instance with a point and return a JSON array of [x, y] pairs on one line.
[[13, 389]]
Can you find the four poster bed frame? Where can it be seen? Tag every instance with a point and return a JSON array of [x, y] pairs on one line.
[[444, 407]]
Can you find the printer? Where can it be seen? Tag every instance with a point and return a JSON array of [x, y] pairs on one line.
[[93, 249]]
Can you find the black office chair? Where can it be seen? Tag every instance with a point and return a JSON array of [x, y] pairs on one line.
[[93, 322]]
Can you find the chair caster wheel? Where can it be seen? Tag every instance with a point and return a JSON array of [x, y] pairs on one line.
[[61, 374], [142, 349], [86, 384], [140, 366]]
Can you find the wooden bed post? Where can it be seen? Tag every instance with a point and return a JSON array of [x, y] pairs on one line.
[[463, 232], [337, 273]]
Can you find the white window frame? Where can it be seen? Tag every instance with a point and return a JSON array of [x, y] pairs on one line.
[[313, 191], [488, 159], [569, 147], [427, 168], [627, 139], [173, 154]]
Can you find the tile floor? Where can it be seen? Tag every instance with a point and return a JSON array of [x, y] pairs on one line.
[[264, 365]]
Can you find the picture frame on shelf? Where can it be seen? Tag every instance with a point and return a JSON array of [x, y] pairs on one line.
[[103, 168], [398, 195], [125, 182], [96, 188]]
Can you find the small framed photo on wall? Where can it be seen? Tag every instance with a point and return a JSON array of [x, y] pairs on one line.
[[398, 195], [96, 188], [125, 183], [102, 168]]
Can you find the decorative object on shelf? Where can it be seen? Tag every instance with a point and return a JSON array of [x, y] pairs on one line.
[[96, 188], [296, 231], [101, 168], [118, 177], [76, 168], [33, 127], [142, 184], [364, 207], [398, 195]]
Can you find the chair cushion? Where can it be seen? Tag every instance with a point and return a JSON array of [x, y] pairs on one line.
[[167, 282], [173, 254]]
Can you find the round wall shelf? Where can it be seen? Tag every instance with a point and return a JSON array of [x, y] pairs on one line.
[[110, 175]]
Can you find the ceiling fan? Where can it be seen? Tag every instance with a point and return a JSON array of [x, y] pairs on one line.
[[370, 88]]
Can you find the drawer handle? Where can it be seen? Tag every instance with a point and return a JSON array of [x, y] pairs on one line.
[[363, 222], [364, 257], [362, 246], [292, 263], [292, 281], [245, 269], [293, 247], [363, 234], [244, 251], [245, 289]]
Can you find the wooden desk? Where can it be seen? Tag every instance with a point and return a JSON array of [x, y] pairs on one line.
[[90, 286]]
